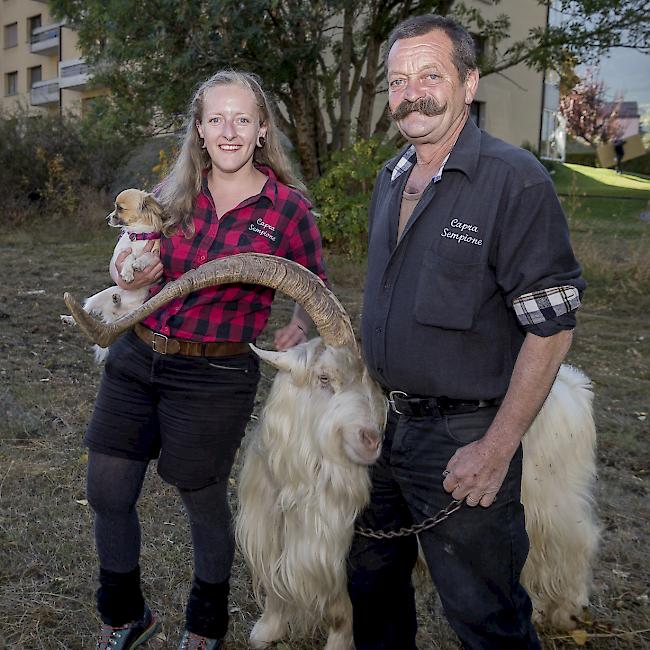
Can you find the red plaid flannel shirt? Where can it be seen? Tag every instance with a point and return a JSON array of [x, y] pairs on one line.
[[278, 221]]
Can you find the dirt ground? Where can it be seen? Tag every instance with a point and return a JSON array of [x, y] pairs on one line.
[[47, 385]]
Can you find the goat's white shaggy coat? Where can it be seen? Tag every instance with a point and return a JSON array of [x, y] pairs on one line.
[[559, 470], [300, 493], [302, 486]]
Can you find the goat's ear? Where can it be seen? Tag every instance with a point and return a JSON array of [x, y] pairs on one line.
[[279, 360]]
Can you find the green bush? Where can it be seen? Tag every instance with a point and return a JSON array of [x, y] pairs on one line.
[[588, 158], [48, 161], [342, 194], [550, 165], [639, 165]]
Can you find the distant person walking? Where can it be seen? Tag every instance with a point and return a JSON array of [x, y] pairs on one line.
[[619, 152]]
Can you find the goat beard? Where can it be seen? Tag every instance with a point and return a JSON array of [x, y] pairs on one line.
[[425, 105]]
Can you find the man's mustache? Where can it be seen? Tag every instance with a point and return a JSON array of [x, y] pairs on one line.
[[425, 105]]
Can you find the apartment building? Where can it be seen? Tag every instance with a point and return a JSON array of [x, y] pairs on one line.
[[520, 105], [42, 69]]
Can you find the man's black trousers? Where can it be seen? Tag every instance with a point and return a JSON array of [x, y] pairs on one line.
[[475, 557]]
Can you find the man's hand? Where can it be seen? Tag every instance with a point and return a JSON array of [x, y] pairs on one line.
[[475, 473], [289, 335], [142, 278]]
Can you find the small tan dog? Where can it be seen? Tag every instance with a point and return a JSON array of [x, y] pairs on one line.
[[140, 217]]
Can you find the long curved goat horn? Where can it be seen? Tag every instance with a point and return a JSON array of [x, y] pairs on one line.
[[300, 284]]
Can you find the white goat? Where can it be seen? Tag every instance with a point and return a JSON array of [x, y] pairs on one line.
[[303, 483], [301, 487]]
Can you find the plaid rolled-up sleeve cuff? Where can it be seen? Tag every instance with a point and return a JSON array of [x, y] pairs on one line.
[[547, 311]]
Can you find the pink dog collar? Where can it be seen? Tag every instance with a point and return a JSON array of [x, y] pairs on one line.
[[134, 236]]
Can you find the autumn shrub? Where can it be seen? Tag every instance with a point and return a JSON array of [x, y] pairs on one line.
[[342, 195], [48, 161]]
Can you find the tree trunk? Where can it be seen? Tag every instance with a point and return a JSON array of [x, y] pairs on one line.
[[383, 123], [306, 136], [322, 149], [345, 120], [368, 88]]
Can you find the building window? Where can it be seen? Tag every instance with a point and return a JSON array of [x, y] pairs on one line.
[[33, 23], [11, 35], [35, 75], [11, 83], [477, 114], [552, 144], [479, 45]]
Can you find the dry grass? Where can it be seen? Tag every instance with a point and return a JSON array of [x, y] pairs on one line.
[[47, 387]]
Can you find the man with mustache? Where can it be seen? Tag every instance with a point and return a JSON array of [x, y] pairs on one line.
[[469, 308]]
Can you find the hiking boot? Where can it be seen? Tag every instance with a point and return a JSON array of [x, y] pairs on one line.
[[191, 641], [131, 635]]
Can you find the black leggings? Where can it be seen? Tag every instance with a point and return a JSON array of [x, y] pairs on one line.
[[114, 485]]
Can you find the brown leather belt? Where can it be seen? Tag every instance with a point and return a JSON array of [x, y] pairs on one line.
[[165, 345]]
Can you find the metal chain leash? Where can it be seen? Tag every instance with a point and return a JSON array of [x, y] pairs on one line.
[[430, 522]]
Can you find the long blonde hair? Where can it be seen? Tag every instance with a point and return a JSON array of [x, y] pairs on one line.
[[178, 191]]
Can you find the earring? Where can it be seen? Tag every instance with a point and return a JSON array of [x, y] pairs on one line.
[[261, 141]]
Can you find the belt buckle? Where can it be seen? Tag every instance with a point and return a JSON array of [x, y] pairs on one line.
[[391, 400], [156, 342]]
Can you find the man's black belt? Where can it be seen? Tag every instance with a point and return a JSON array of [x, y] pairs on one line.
[[418, 407]]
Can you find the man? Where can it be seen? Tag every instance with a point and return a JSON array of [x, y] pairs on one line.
[[469, 306]]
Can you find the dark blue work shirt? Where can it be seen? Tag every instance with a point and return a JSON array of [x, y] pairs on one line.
[[484, 258]]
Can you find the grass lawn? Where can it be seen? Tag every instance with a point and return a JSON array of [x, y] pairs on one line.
[[594, 181], [48, 382], [611, 240]]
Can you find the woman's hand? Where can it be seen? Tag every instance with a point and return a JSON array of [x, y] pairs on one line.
[[289, 335], [143, 278]]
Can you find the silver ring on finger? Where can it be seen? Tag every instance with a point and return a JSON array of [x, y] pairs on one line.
[[471, 499]]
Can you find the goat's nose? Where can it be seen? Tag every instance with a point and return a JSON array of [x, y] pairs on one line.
[[370, 438]]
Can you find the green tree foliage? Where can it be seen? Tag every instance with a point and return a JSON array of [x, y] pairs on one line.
[[342, 194], [322, 59]]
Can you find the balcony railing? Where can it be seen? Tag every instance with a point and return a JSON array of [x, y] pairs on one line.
[[45, 40], [74, 74], [44, 92]]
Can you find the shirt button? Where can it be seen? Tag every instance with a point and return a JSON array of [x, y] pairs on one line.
[[386, 286], [202, 258], [378, 330]]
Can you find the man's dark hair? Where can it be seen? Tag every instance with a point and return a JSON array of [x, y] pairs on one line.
[[464, 52]]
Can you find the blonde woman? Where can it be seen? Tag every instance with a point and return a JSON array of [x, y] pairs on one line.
[[180, 387]]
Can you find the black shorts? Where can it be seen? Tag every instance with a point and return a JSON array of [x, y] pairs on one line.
[[190, 412]]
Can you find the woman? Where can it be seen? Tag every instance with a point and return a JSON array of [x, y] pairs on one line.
[[181, 386]]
